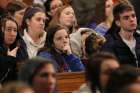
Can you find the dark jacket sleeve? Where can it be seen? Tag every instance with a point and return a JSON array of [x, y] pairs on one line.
[[108, 46], [7, 68], [6, 59]]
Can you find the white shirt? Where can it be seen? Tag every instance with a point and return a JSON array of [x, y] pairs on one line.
[[32, 47]]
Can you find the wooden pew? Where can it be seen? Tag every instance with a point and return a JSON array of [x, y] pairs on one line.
[[69, 81]]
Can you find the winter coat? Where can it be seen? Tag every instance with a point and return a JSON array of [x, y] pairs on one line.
[[116, 46]]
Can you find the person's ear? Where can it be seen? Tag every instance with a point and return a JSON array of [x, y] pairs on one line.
[[117, 23], [2, 28], [27, 22]]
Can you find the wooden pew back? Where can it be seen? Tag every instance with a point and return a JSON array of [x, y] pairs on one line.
[[69, 81]]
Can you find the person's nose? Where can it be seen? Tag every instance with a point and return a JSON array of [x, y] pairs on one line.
[[13, 33], [42, 22], [51, 80], [65, 41], [132, 18]]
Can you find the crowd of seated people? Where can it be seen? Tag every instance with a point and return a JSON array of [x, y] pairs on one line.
[[39, 41]]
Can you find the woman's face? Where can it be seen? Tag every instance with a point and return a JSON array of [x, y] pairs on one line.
[[45, 80], [61, 39], [19, 16], [106, 68], [55, 4], [67, 17], [10, 32], [37, 22], [108, 7]]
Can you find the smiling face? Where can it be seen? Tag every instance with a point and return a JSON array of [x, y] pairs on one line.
[[45, 80], [60, 39], [67, 17], [10, 32], [37, 22]]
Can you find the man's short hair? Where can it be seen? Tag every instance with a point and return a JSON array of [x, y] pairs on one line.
[[120, 8]]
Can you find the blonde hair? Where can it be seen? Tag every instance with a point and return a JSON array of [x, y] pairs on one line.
[[55, 20]]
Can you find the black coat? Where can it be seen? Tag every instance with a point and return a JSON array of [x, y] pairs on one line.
[[116, 46], [8, 64], [7, 68], [21, 53]]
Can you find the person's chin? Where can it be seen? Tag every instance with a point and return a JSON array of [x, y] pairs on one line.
[[50, 89], [69, 24], [11, 42]]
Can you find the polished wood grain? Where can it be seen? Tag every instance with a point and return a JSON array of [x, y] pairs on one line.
[[69, 81]]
